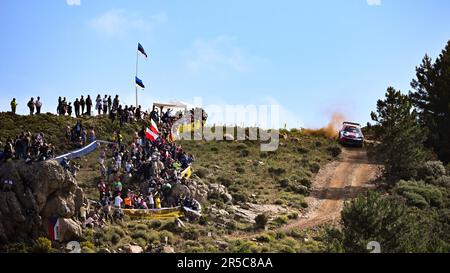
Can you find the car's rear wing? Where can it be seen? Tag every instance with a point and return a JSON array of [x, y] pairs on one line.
[[351, 123]]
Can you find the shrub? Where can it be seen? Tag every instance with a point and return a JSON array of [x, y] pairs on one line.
[[191, 234], [87, 250], [279, 202], [42, 245], [88, 245], [303, 150], [115, 238], [420, 194], [299, 189], [139, 234], [214, 149], [172, 226], [293, 215], [261, 221], [431, 169], [284, 183], [314, 167], [224, 181], [155, 224], [201, 172], [276, 171], [335, 151], [163, 234], [244, 153], [240, 170], [306, 182], [281, 220], [265, 238], [239, 197], [141, 227], [153, 237]]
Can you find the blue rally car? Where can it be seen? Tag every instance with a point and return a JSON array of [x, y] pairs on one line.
[[351, 134]]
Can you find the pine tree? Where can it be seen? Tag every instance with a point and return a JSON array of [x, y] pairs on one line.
[[401, 136], [432, 100]]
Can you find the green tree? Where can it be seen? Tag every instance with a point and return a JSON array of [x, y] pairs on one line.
[[400, 135], [372, 217], [432, 100]]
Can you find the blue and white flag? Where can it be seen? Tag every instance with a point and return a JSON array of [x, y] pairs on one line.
[[142, 50], [139, 83]]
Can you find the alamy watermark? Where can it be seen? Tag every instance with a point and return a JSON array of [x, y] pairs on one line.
[[240, 123]]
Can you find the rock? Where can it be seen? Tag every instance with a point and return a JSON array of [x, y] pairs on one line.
[[69, 229], [168, 249], [222, 245], [176, 193], [229, 137], [41, 190], [133, 249]]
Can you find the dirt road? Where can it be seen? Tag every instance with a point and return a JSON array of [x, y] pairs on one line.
[[338, 181]]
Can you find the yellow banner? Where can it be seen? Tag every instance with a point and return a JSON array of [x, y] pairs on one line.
[[154, 213]]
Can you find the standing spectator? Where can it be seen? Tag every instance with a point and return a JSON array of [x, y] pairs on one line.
[[92, 135], [76, 104], [13, 106], [38, 105], [69, 109], [98, 104], [31, 106], [58, 108], [88, 105], [105, 105], [109, 104], [116, 102], [82, 103]]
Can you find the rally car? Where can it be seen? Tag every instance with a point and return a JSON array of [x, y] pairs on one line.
[[351, 134]]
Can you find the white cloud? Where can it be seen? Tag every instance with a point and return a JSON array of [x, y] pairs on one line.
[[73, 2], [117, 22], [215, 54], [374, 2]]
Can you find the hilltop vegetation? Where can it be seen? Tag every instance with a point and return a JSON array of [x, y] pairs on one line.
[[281, 178]]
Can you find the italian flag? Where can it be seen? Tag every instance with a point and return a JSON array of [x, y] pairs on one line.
[[152, 133]]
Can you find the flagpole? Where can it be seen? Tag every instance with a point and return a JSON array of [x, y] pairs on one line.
[[137, 60]]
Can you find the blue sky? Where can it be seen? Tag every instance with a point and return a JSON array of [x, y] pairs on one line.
[[312, 57]]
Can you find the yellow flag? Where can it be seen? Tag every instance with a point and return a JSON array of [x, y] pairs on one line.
[[187, 173]]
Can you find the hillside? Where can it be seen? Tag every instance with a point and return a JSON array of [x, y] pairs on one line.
[[274, 183]]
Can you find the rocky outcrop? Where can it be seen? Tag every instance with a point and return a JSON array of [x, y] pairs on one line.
[[40, 190]]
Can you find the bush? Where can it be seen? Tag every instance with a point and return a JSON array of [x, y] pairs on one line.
[[284, 183], [276, 171], [224, 181], [155, 224], [244, 153], [420, 194], [281, 220], [431, 169], [42, 245], [172, 226], [240, 170], [261, 221], [265, 238], [335, 151], [191, 234], [139, 234], [201, 172], [314, 167], [306, 182], [239, 197], [303, 150], [88, 246], [299, 189], [164, 234], [115, 238], [141, 227], [372, 217]]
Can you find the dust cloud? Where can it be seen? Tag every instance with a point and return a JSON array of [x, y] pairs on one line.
[[331, 130]]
